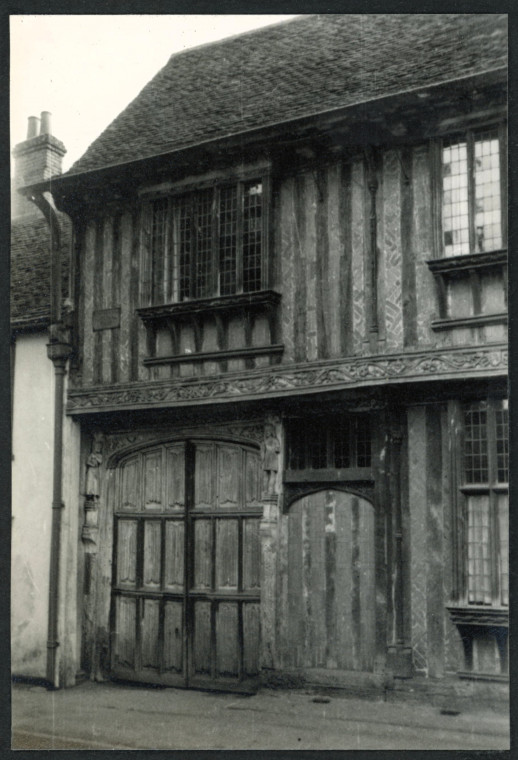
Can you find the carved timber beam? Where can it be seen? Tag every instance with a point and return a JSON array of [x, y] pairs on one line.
[[293, 379]]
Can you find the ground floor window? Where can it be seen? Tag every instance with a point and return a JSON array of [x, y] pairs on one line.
[[483, 506]]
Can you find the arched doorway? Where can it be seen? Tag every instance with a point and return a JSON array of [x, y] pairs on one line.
[[331, 582], [185, 593]]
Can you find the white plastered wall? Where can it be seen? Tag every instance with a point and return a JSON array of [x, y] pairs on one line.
[[32, 474], [32, 437]]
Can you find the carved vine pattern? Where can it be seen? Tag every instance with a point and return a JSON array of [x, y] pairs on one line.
[[343, 374]]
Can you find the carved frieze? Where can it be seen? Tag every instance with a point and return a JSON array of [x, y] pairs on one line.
[[285, 380]]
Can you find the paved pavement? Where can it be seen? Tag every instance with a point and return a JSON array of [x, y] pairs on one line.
[[116, 716]]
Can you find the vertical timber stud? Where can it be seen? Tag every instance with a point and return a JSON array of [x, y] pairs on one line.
[[59, 350], [399, 654], [372, 185], [270, 454]]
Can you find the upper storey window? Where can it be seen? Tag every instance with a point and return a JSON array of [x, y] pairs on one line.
[[472, 197], [209, 242]]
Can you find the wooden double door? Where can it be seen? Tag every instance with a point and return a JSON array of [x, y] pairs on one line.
[[186, 572]]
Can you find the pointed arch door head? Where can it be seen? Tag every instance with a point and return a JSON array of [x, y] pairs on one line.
[[364, 489]]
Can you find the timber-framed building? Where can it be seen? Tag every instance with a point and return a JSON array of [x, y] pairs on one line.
[[287, 360]]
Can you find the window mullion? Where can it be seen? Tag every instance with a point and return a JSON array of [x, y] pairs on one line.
[[471, 190], [502, 147], [493, 514], [239, 238], [216, 211], [193, 211], [168, 255], [265, 232]]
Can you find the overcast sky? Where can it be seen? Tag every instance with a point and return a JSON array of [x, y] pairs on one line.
[[86, 69]]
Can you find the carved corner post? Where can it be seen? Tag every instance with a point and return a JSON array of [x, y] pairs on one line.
[[271, 457], [89, 537], [399, 653]]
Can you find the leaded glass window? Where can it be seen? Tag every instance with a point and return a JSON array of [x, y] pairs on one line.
[[472, 203]]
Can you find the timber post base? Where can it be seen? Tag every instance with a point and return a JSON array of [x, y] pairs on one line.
[[268, 534], [399, 661]]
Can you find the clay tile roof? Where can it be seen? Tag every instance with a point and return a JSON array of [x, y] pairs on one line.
[[294, 69], [30, 271]]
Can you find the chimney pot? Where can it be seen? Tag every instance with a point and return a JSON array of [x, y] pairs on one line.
[[45, 123], [32, 127]]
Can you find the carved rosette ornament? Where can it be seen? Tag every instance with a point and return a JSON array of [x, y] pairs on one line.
[[90, 528]]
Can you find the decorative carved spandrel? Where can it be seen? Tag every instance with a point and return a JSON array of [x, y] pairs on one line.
[[270, 450], [90, 527]]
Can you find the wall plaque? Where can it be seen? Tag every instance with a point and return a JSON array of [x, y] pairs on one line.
[[106, 319]]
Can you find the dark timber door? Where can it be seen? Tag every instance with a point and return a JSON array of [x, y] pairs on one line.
[[185, 606]]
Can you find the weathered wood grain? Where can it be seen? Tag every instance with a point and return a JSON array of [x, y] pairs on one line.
[[174, 555], [393, 300], [152, 554], [149, 635], [434, 540], [417, 466], [330, 583], [422, 242], [227, 556], [251, 638], [88, 273], [173, 639], [227, 639], [408, 277], [322, 254], [106, 295], [358, 205], [125, 297]]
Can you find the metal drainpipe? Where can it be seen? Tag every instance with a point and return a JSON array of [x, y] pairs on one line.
[[58, 351]]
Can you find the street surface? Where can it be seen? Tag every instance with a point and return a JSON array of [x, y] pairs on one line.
[[115, 716]]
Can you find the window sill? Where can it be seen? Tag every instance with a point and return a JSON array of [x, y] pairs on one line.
[[203, 356], [463, 264], [483, 615], [480, 320], [261, 299], [475, 488]]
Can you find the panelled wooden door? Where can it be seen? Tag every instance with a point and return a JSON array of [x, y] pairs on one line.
[[331, 582], [185, 608]]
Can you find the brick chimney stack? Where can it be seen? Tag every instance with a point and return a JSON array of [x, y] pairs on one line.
[[39, 157]]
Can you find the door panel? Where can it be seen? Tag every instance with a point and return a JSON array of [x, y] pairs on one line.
[[125, 628], [227, 554], [173, 638], [175, 477], [174, 556], [187, 566], [331, 582], [127, 552], [152, 554], [153, 480]]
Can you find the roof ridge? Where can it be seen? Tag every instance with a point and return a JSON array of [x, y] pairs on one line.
[[240, 35], [298, 67]]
